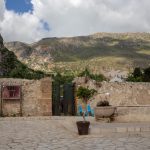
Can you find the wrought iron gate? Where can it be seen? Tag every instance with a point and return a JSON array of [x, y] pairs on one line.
[[55, 98], [69, 99], [66, 104]]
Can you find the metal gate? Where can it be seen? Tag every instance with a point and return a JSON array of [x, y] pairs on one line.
[[69, 99], [55, 98], [64, 105]]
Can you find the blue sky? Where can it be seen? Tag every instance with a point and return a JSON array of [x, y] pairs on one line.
[[23, 6], [19, 6]]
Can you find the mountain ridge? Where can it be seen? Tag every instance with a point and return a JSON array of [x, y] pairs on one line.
[[125, 50]]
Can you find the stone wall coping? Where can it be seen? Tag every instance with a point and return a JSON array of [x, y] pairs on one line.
[[129, 83], [45, 98], [8, 84], [15, 79], [134, 106], [19, 79], [114, 82]]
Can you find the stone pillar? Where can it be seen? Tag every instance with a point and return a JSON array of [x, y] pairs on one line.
[[45, 101]]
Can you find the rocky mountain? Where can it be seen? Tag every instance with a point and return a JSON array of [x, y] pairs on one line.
[[100, 51], [10, 66]]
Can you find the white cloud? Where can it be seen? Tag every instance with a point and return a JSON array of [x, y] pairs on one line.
[[20, 27], [24, 27], [75, 17], [2, 9]]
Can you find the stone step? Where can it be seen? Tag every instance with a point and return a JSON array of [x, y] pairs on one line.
[[96, 127], [101, 128]]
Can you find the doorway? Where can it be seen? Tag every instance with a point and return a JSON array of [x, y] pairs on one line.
[[63, 99]]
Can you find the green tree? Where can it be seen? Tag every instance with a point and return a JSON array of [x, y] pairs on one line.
[[62, 79], [136, 76], [146, 76], [85, 73], [96, 77], [137, 72], [85, 94]]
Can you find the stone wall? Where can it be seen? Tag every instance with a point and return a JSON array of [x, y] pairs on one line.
[[132, 99], [120, 94], [35, 98]]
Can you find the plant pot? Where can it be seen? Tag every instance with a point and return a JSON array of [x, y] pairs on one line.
[[104, 112], [83, 127]]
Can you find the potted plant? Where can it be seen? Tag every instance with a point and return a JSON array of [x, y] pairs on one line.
[[104, 110], [85, 94]]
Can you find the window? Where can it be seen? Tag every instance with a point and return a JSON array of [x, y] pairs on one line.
[[11, 92]]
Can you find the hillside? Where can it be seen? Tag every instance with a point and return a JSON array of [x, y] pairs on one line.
[[100, 51], [10, 66]]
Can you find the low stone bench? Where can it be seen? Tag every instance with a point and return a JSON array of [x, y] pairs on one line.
[[139, 113]]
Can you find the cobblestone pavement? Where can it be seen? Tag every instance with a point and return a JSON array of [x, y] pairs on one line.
[[50, 135]]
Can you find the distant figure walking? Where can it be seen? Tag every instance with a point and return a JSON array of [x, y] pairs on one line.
[[62, 104]]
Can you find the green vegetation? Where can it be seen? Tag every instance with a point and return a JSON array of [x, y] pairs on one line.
[[67, 76], [120, 51], [96, 77], [146, 52], [13, 68], [22, 71], [139, 75], [146, 75], [62, 78], [103, 103], [85, 94]]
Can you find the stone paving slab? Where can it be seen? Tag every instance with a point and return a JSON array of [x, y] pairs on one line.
[[100, 127], [96, 127], [47, 134]]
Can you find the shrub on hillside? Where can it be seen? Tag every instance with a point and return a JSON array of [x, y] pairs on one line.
[[139, 75], [96, 77], [146, 75], [63, 78]]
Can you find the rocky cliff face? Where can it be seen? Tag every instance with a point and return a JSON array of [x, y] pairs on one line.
[[1, 46], [1, 41], [101, 50]]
